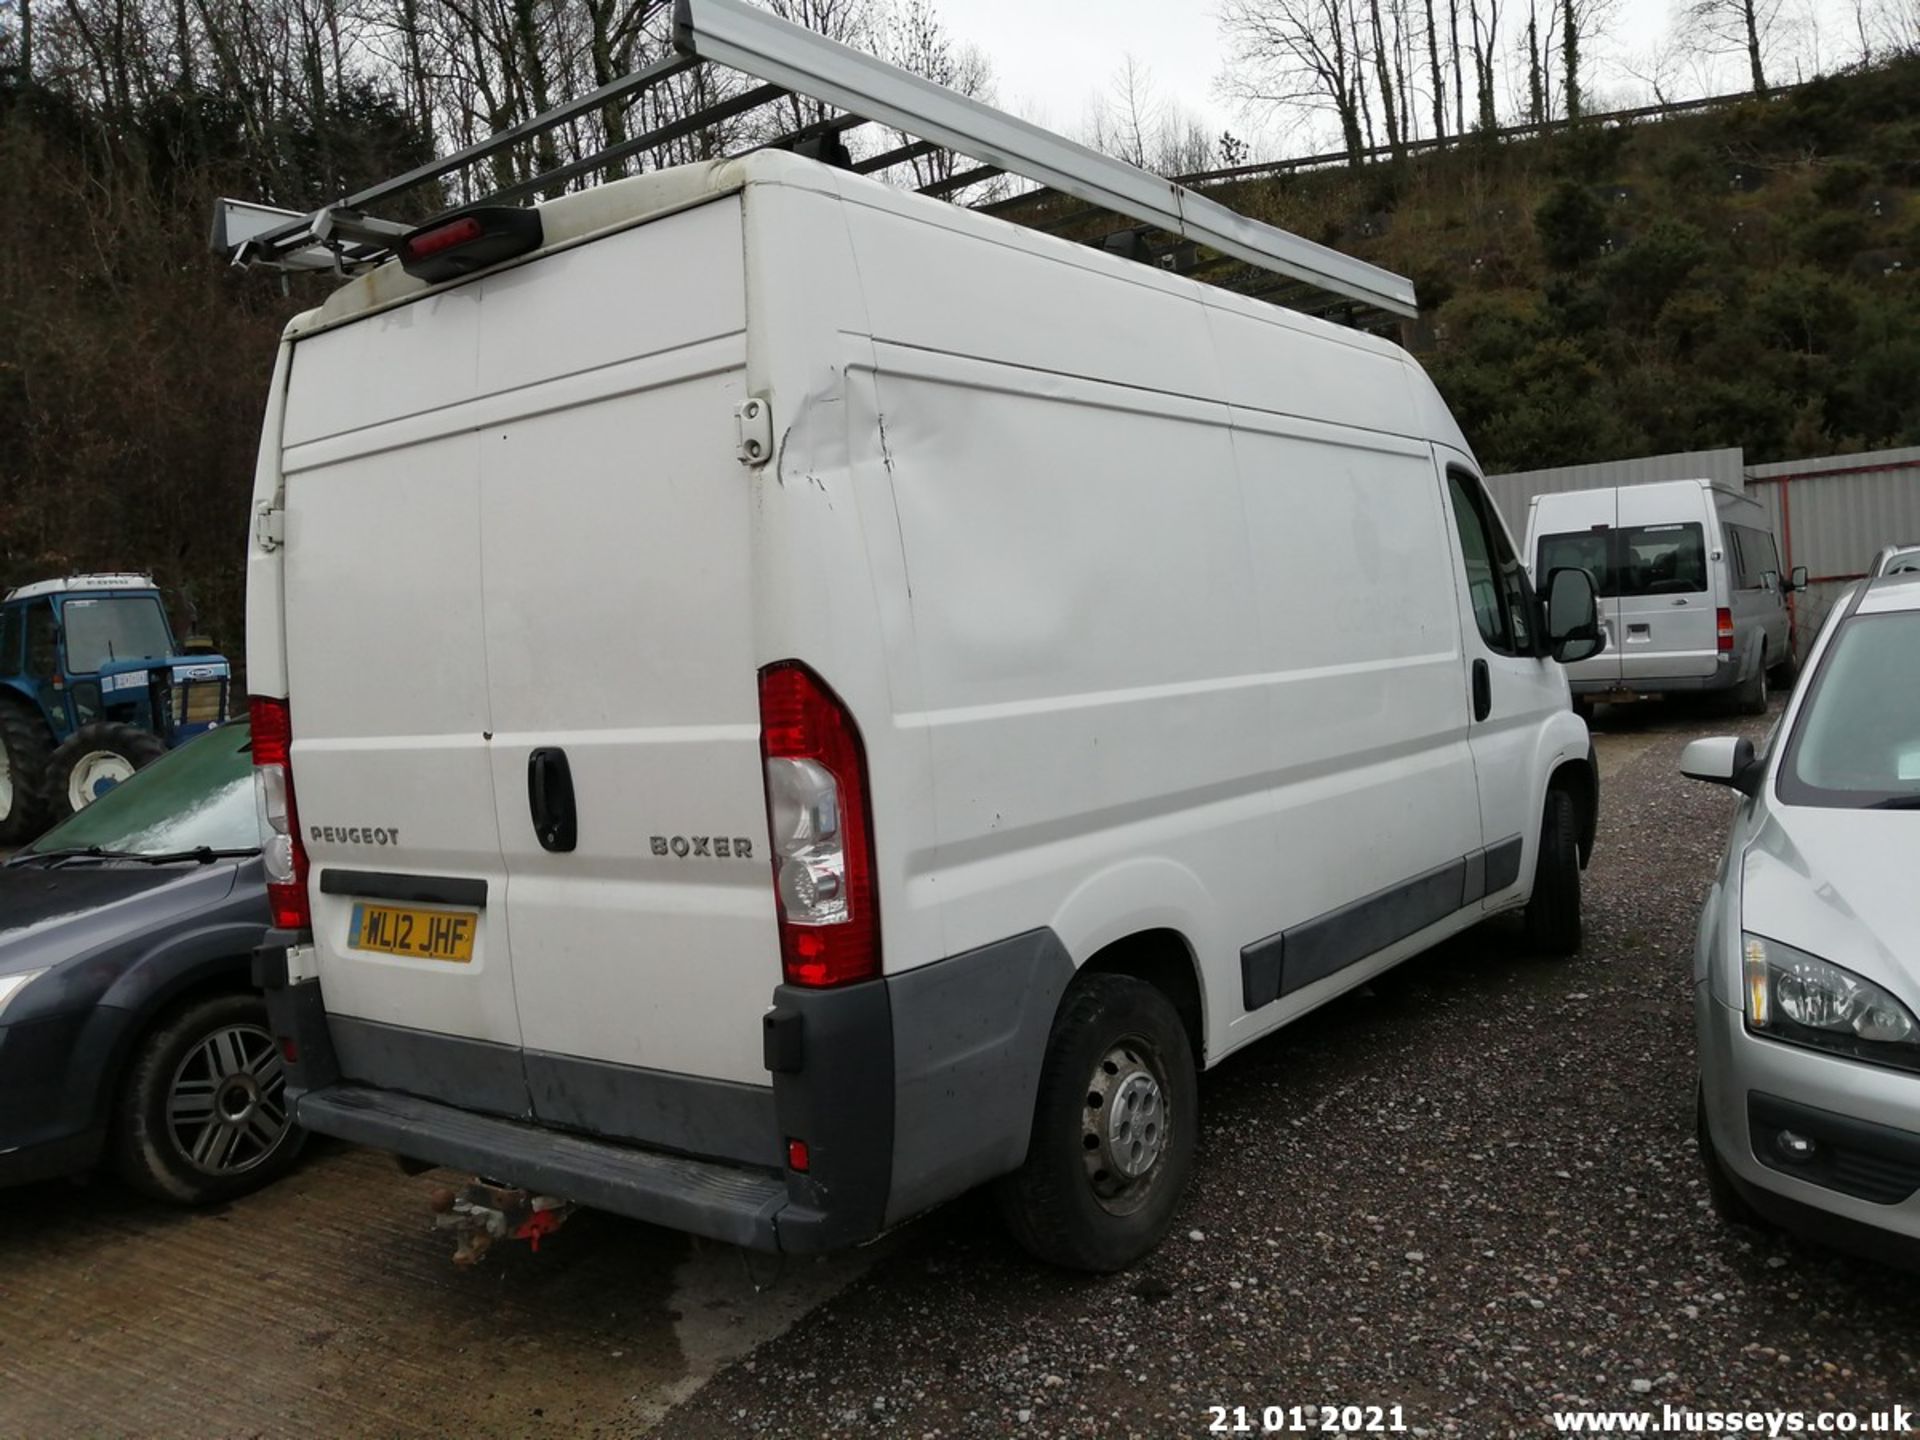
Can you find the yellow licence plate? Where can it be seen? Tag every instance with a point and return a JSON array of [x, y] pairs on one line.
[[417, 934]]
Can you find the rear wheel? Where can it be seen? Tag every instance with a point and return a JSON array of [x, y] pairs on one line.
[[24, 744], [1113, 1129], [1553, 914], [93, 760], [203, 1113]]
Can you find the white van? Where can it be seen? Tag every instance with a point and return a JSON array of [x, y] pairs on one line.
[[1692, 598], [791, 700]]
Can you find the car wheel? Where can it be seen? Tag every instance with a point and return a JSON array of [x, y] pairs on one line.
[[1782, 676], [24, 744], [1751, 697], [1114, 1129], [1728, 1203], [203, 1112], [1553, 913], [94, 759]]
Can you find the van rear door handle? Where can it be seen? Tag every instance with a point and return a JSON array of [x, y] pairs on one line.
[[1482, 690], [550, 799]]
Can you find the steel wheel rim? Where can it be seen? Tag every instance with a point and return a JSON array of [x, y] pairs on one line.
[[6, 782], [84, 781], [227, 1105], [1126, 1125]]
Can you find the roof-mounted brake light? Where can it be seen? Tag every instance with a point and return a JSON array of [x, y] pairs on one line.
[[461, 244]]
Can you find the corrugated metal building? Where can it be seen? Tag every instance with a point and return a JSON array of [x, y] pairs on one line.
[[1834, 515], [1831, 515], [1514, 493]]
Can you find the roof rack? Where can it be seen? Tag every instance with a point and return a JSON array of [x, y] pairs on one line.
[[1159, 220]]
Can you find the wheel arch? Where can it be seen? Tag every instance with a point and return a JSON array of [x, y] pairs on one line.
[[1162, 958], [216, 960], [1580, 779]]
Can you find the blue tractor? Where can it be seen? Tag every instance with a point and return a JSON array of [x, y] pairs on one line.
[[92, 687]]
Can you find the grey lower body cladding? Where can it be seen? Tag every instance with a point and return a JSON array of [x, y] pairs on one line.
[[1326, 944], [907, 1090]]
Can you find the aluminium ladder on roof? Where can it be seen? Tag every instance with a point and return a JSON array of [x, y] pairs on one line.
[[790, 60]]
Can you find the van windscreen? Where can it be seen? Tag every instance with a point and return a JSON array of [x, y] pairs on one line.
[[1631, 560]]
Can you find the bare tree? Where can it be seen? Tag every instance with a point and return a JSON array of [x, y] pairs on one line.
[[1735, 26], [1483, 19], [1382, 69], [1292, 58], [914, 38], [1438, 76], [1135, 123]]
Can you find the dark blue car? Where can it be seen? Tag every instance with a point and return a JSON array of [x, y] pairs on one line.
[[131, 1037]]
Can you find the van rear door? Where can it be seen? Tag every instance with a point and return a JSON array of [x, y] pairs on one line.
[[618, 542], [387, 684], [1666, 624], [1574, 530]]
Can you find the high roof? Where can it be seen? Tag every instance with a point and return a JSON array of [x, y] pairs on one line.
[[1080, 191]]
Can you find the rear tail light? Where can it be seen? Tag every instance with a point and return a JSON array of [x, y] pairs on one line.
[[1725, 623], [821, 828], [282, 853]]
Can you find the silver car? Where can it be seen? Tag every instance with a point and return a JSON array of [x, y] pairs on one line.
[[1896, 560], [1807, 967]]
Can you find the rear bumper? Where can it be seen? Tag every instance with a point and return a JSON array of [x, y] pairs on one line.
[[906, 1090], [1725, 677], [721, 1202]]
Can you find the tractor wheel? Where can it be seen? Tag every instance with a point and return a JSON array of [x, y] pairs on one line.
[[24, 743], [93, 760]]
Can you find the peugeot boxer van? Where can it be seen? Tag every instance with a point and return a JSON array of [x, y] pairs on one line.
[[1692, 598], [789, 700]]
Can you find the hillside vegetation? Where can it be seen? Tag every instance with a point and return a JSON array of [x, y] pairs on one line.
[[1744, 276]]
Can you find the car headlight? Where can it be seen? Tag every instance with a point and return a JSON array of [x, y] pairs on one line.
[[12, 985], [1792, 995]]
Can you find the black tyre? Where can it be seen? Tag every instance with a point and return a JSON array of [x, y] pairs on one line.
[[1553, 914], [1782, 676], [92, 761], [24, 745], [1113, 1129], [1751, 697], [202, 1113], [1728, 1203]]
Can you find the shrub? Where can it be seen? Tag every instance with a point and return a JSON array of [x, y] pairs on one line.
[[1830, 240], [1570, 224], [1841, 182], [1643, 276]]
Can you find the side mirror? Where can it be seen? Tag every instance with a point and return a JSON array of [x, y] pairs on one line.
[[1723, 760], [1797, 579], [1573, 616]]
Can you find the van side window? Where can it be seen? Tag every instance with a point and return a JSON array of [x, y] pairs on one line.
[[1496, 581], [1753, 556]]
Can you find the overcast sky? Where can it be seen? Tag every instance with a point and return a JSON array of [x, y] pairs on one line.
[[1052, 57]]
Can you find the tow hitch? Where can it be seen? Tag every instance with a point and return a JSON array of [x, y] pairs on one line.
[[480, 1215]]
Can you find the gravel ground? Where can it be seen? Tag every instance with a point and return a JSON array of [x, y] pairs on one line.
[[1470, 1190]]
